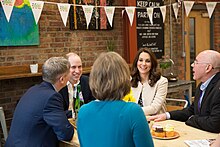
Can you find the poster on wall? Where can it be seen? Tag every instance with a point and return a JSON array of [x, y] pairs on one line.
[[21, 29], [150, 34], [98, 19]]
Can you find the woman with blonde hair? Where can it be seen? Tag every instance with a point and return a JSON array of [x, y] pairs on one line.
[[109, 121]]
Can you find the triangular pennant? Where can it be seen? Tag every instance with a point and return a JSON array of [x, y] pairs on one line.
[[210, 7], [7, 6], [64, 11], [109, 13], [37, 7], [175, 9], [163, 11], [150, 14], [88, 13], [130, 12], [188, 6]]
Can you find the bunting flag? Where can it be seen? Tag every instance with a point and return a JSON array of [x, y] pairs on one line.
[[7, 6], [163, 11], [130, 11], [210, 7], [37, 7], [175, 9], [64, 11], [150, 14], [88, 13], [188, 6], [110, 13]]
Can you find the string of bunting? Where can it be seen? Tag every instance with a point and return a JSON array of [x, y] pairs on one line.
[[37, 7]]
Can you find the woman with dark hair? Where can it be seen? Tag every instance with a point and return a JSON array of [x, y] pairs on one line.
[[109, 121], [149, 88]]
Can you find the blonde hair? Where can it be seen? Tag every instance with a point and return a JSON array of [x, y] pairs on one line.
[[71, 54], [110, 77]]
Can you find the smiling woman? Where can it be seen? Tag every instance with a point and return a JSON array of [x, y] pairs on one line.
[[149, 88]]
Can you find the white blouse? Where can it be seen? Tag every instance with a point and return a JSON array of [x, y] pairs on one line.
[[154, 98]]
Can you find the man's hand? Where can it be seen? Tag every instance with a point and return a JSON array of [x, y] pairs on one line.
[[156, 118]]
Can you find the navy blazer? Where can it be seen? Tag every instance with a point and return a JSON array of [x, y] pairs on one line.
[[208, 117], [39, 119], [86, 92]]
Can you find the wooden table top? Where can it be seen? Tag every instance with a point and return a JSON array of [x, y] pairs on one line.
[[185, 133]]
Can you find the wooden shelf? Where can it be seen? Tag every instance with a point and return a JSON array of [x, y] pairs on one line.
[[23, 71], [16, 76]]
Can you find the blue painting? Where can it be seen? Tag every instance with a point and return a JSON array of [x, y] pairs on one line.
[[21, 30]]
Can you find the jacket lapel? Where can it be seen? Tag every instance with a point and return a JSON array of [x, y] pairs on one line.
[[210, 87], [197, 97]]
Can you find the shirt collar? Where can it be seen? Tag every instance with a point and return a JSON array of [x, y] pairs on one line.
[[76, 84], [68, 84], [206, 83], [54, 88]]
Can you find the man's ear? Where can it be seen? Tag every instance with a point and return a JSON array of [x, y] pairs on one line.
[[61, 79], [208, 68]]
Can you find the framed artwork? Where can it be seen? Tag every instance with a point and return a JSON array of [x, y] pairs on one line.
[[21, 30], [99, 19]]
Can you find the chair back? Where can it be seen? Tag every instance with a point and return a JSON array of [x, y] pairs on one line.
[[175, 104], [3, 123]]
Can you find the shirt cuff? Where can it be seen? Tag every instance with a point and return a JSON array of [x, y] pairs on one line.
[[167, 115]]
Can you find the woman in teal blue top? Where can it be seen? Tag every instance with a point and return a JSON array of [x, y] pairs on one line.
[[109, 121]]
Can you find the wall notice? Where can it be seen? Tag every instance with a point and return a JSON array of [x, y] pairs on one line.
[[150, 35]]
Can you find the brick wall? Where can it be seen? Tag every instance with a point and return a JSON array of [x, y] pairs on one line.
[[55, 40], [217, 28], [173, 48], [10, 92]]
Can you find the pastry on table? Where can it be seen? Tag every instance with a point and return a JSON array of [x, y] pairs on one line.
[[169, 130], [159, 131]]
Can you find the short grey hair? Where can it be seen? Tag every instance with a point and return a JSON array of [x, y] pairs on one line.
[[53, 68], [110, 77]]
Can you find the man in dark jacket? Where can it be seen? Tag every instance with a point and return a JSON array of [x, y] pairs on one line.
[[204, 113], [39, 118], [77, 91]]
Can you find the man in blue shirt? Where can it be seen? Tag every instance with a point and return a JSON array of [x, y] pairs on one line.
[[204, 113]]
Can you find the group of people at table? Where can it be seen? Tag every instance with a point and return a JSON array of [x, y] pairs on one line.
[[99, 102]]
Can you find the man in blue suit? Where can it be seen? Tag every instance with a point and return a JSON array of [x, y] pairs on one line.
[[39, 119], [77, 91]]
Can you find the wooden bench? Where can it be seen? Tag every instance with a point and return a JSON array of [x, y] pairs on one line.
[[23, 71]]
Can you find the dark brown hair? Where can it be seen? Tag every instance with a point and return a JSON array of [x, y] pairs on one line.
[[154, 76]]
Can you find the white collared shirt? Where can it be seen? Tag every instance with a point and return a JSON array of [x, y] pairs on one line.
[[72, 90], [203, 88]]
